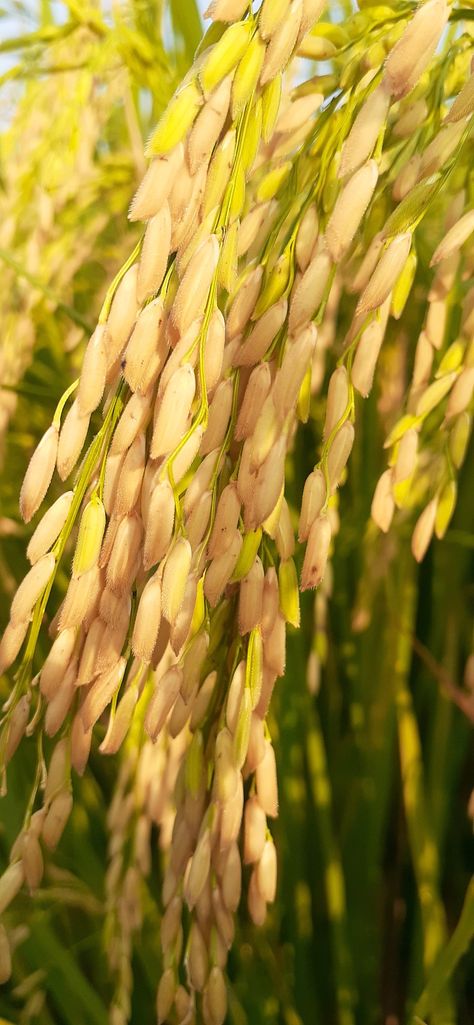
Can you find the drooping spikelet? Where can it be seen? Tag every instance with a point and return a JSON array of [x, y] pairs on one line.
[[266, 206], [39, 473]]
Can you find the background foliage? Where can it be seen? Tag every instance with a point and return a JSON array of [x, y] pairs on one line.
[[373, 747]]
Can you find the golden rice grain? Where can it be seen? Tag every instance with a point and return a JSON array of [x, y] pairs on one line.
[[11, 882], [39, 473], [172, 411], [93, 373], [49, 527], [193, 289], [122, 316], [282, 42], [208, 125], [308, 292], [11, 642], [262, 334], [154, 254], [412, 53], [383, 278], [364, 132], [349, 209], [56, 819], [256, 391], [71, 440], [31, 589], [226, 10], [423, 531], [156, 185]]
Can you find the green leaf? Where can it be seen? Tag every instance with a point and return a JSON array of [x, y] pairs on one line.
[[65, 982], [448, 959], [187, 23]]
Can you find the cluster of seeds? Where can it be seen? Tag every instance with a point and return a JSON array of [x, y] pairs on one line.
[[41, 250], [265, 208]]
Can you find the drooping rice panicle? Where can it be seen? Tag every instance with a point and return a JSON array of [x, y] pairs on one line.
[[264, 208]]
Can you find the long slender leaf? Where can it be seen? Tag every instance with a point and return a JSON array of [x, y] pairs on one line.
[[187, 23]]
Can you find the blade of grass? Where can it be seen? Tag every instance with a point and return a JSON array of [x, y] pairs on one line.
[[368, 805], [334, 884], [423, 849], [447, 961], [66, 984], [187, 23], [294, 838]]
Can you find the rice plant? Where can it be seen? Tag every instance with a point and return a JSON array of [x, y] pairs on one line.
[[237, 659]]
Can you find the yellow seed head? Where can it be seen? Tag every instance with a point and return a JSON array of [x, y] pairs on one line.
[[49, 527], [226, 10], [172, 411], [221, 568], [403, 286], [176, 120], [93, 373], [91, 533], [384, 277], [224, 55], [271, 15], [271, 99], [363, 135], [262, 335], [423, 531], [267, 872], [248, 552], [219, 172], [10, 883], [122, 316], [464, 102], [275, 285], [156, 185], [459, 438], [273, 181], [251, 598], [338, 397], [154, 254], [56, 819], [282, 42], [316, 554], [411, 55], [247, 74], [39, 473], [175, 575], [289, 593], [454, 238], [194, 287], [349, 209], [308, 291], [383, 505], [11, 642], [31, 589], [435, 394]]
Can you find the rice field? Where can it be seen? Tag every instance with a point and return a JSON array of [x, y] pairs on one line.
[[236, 513]]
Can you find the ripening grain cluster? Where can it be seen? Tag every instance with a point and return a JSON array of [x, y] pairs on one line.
[[271, 201]]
